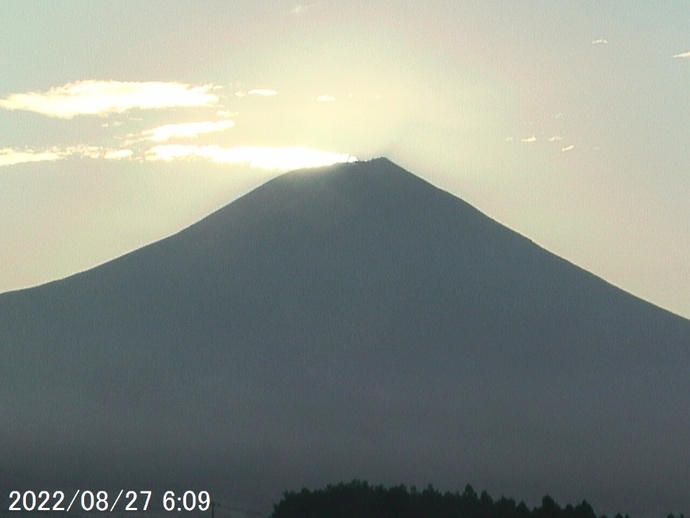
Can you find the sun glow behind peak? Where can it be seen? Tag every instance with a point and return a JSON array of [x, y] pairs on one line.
[[261, 157]]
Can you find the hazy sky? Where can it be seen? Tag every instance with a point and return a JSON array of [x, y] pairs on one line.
[[123, 121]]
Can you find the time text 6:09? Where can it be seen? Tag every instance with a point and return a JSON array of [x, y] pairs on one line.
[[86, 500]]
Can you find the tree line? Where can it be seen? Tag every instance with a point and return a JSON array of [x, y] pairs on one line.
[[358, 499]]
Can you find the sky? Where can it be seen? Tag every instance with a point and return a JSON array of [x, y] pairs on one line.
[[124, 121]]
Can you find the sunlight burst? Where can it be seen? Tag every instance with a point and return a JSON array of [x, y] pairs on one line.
[[262, 157]]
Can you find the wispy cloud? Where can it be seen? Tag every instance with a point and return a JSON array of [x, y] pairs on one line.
[[555, 138], [9, 156], [530, 139], [682, 55], [98, 152], [271, 158], [184, 130], [568, 148], [600, 41], [117, 154], [101, 97], [266, 92]]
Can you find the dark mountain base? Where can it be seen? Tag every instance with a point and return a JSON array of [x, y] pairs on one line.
[[353, 321]]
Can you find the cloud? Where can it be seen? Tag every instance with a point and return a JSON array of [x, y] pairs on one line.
[[530, 139], [568, 148], [117, 154], [97, 152], [101, 97], [10, 156], [85, 151], [682, 55], [185, 130], [325, 98], [555, 138], [266, 92], [600, 41], [262, 157]]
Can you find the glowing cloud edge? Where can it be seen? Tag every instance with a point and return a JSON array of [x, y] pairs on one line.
[[94, 97]]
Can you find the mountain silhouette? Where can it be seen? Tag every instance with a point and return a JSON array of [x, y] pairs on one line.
[[347, 322]]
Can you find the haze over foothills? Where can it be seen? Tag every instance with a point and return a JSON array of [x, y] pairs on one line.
[[122, 122]]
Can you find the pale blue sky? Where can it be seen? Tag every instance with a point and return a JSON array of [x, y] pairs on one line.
[[566, 121]]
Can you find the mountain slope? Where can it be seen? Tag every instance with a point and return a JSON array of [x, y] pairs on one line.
[[353, 321]]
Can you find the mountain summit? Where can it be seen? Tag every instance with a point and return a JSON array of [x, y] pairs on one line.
[[347, 322]]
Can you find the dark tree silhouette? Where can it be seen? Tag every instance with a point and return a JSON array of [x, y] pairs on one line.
[[357, 499]]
